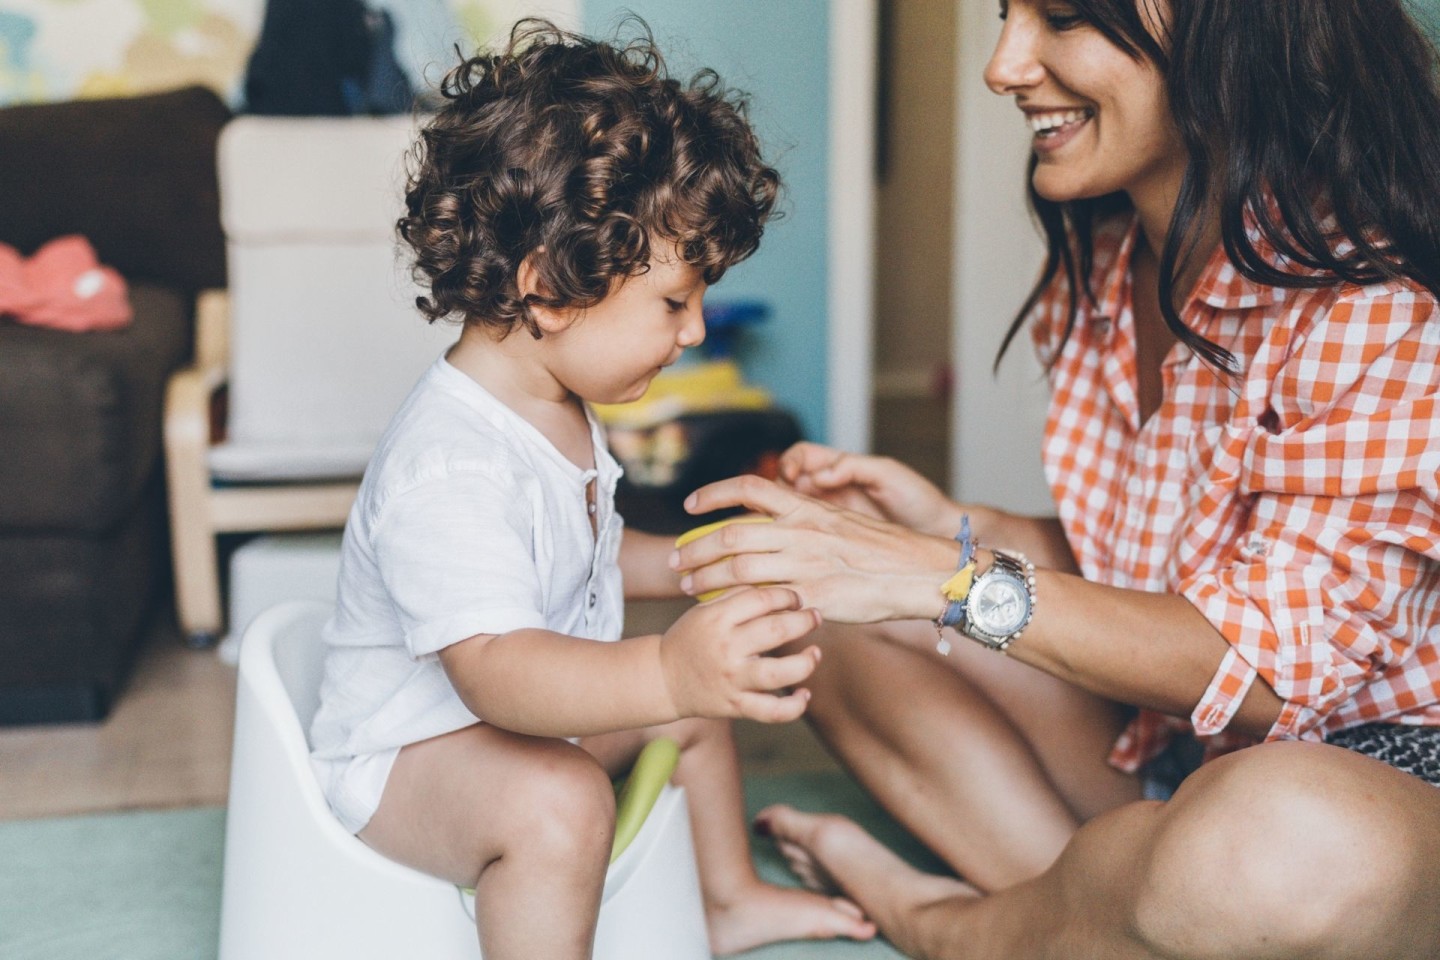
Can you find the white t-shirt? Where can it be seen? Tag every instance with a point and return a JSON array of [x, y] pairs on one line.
[[468, 521]]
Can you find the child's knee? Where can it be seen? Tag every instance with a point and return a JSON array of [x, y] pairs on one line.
[[565, 802]]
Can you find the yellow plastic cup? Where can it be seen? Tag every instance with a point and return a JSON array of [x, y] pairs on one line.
[[690, 536]]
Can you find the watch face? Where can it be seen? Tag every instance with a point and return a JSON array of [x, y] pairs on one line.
[[1000, 606]]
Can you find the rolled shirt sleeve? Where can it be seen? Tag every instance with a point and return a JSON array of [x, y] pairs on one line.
[[1333, 577]]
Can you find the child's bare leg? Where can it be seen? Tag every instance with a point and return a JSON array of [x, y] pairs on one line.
[[527, 821], [743, 911]]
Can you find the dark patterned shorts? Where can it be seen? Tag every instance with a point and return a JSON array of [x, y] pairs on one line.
[[1412, 750]]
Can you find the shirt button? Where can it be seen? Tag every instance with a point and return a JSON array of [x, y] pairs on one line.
[[591, 508], [593, 599]]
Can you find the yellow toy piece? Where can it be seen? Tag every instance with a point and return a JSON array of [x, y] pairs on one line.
[[699, 388], [689, 536]]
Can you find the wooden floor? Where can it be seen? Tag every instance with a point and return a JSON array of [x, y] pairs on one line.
[[167, 742]]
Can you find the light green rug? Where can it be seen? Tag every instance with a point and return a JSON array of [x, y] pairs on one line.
[[146, 885], [127, 886]]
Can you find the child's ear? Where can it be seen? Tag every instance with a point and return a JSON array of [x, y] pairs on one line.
[[527, 279]]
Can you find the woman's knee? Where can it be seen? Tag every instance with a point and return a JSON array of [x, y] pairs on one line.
[[1281, 845]]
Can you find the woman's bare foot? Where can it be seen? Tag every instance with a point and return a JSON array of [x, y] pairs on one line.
[[834, 855], [762, 913]]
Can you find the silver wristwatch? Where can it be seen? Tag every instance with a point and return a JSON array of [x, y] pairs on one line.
[[1001, 601]]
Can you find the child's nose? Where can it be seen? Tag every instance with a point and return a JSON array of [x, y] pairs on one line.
[[692, 333]]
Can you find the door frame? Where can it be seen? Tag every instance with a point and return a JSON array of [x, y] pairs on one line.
[[850, 285]]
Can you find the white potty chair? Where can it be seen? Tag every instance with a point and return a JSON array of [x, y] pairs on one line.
[[297, 885]]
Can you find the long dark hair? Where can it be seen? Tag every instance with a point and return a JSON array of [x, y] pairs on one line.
[[1326, 107]]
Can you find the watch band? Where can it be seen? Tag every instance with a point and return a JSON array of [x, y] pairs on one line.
[[1012, 565]]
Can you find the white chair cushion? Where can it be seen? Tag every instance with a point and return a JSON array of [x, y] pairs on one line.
[[283, 178], [286, 462], [325, 340]]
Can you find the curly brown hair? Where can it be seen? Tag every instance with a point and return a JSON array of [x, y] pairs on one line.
[[578, 154]]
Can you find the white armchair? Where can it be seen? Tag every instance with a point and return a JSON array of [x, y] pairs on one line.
[[315, 343]]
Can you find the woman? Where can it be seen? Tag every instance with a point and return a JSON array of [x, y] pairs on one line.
[[1239, 320]]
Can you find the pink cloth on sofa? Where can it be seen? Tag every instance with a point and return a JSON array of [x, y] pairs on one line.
[[63, 286]]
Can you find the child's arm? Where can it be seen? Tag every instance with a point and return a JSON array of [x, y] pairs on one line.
[[711, 663], [645, 566]]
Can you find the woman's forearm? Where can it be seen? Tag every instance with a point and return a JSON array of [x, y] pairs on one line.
[[1152, 650], [1040, 538]]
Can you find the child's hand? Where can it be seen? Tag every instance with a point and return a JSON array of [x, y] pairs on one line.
[[713, 658]]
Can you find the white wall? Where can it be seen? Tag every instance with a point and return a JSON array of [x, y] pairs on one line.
[[996, 422]]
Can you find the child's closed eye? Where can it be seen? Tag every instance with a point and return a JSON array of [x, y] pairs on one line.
[[674, 306]]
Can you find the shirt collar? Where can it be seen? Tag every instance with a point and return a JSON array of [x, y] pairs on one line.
[[1224, 287], [1117, 281], [1221, 285]]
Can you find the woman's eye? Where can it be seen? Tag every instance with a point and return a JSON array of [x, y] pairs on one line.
[[1064, 21], [674, 306]]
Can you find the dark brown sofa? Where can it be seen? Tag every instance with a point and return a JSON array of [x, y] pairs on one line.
[[83, 541]]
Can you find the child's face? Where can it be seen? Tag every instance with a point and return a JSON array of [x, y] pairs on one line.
[[610, 352], [1100, 117]]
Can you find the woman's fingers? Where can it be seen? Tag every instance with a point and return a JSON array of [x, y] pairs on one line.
[[728, 540], [825, 468], [805, 458], [752, 492], [745, 569]]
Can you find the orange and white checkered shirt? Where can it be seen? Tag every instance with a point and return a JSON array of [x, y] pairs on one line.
[[1297, 506]]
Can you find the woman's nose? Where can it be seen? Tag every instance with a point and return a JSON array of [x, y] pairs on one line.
[[1015, 64]]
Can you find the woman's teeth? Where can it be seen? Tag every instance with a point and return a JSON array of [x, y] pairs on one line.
[[1046, 124]]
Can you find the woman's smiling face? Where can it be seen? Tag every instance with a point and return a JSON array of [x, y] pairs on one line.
[[1100, 117]]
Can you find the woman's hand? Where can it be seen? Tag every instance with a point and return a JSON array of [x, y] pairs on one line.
[[878, 487], [714, 658], [852, 567]]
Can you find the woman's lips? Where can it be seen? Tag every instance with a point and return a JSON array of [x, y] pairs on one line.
[[1054, 129]]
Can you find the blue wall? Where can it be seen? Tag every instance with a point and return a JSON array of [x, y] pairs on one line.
[[778, 53], [1428, 12]]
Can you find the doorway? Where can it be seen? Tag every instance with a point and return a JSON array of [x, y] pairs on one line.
[[914, 232]]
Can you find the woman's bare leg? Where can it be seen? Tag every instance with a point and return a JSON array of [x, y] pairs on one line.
[[1286, 851], [741, 910], [527, 821], [938, 746]]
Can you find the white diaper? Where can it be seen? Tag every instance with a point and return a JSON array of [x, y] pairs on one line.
[[352, 787]]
